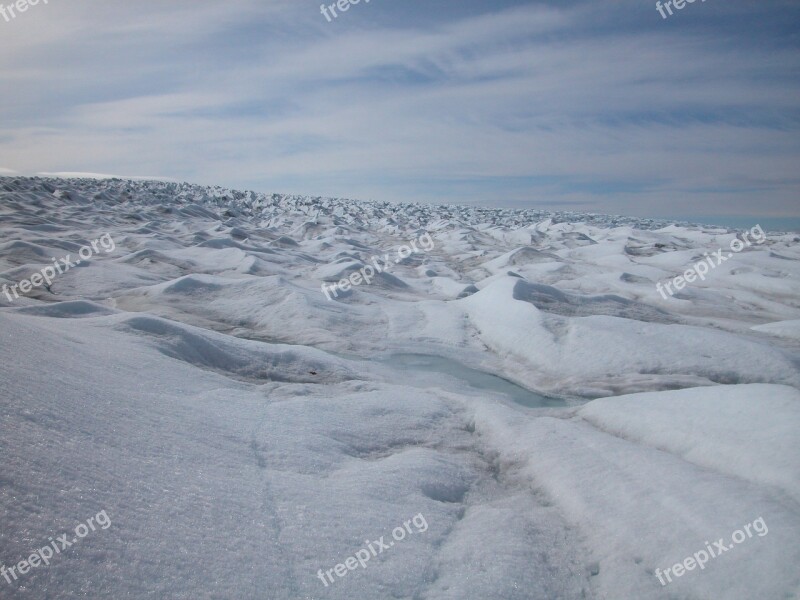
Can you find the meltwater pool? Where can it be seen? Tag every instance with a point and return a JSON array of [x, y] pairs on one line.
[[478, 380]]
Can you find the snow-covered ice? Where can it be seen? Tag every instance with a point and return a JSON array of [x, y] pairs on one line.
[[243, 431]]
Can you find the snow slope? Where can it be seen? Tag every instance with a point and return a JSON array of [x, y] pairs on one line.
[[242, 431]]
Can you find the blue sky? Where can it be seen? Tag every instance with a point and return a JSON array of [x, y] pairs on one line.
[[585, 106]]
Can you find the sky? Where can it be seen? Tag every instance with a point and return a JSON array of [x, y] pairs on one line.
[[601, 106]]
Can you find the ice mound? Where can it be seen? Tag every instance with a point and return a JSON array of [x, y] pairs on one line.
[[241, 358]]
